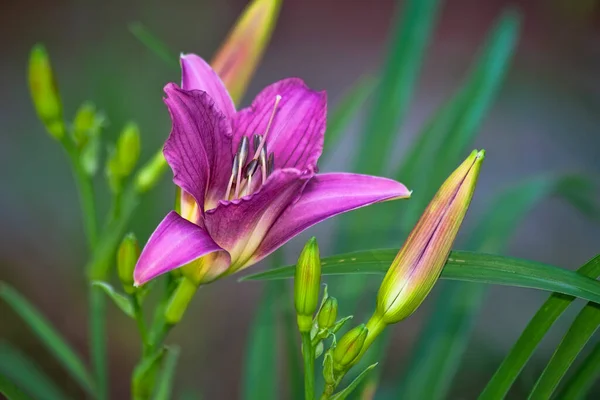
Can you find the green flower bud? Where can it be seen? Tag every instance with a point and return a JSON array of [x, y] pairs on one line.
[[127, 256], [307, 284], [128, 149], [328, 313], [328, 372], [180, 300], [150, 173], [87, 124], [419, 263], [44, 92], [349, 347]]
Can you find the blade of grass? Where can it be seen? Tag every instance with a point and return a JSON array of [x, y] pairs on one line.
[[446, 137], [153, 43], [584, 377], [463, 266], [406, 49], [345, 112], [10, 390], [260, 366], [536, 329], [25, 374], [55, 343], [582, 329]]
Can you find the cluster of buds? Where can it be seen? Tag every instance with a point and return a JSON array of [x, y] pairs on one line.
[[405, 286]]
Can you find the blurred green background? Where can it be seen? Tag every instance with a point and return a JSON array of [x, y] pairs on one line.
[[545, 120]]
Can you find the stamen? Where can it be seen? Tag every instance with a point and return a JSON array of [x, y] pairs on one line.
[[264, 137], [270, 164], [248, 172], [263, 163], [242, 154], [256, 141], [234, 174]]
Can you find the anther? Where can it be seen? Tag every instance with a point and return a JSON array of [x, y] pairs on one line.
[[263, 163], [270, 164], [248, 172], [256, 141], [234, 174], [264, 137], [242, 155]]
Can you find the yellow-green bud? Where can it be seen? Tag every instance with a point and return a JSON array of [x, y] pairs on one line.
[[419, 263], [127, 256], [328, 313], [128, 149], [150, 173], [328, 372], [87, 124], [307, 284], [44, 92], [180, 300], [349, 347]]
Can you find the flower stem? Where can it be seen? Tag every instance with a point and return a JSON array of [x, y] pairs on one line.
[[86, 193], [139, 319], [309, 367], [98, 342]]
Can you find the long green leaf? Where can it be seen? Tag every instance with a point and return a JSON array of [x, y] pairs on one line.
[[446, 137], [343, 394], [165, 379], [535, 331], [582, 329], [55, 343], [462, 266], [345, 112], [443, 340], [10, 390], [260, 365], [408, 42], [584, 377], [153, 43], [21, 370]]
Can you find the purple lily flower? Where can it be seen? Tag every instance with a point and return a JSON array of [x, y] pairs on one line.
[[249, 178]]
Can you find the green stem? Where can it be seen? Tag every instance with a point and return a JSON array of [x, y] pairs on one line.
[[98, 341], [375, 327], [139, 319], [309, 367], [85, 189]]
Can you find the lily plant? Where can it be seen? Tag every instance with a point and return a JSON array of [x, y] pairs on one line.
[[249, 179]]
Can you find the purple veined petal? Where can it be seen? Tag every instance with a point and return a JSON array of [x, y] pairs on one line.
[[176, 242], [296, 133], [240, 225], [199, 146], [327, 195], [196, 74]]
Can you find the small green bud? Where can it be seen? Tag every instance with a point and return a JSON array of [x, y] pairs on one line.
[[89, 157], [419, 262], [44, 92], [128, 149], [307, 282], [127, 256], [328, 372], [349, 347], [328, 313], [87, 124], [150, 173]]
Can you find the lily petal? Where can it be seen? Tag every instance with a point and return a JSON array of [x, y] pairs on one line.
[[240, 225], [196, 74], [199, 146], [327, 195], [175, 242], [297, 131]]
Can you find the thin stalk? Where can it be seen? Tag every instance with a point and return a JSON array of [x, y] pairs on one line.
[[309, 367], [139, 319], [97, 326], [85, 190]]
